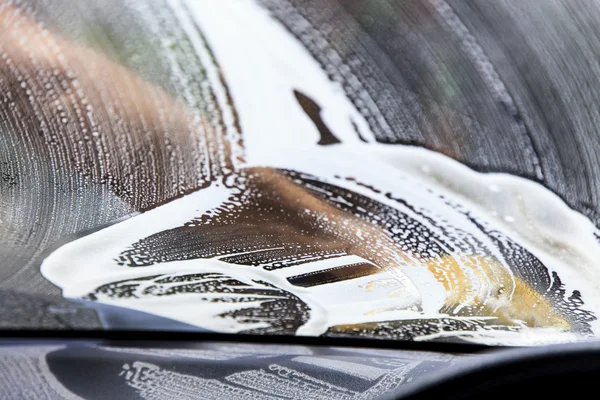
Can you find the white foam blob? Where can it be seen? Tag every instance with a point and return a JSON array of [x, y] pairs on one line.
[[262, 64]]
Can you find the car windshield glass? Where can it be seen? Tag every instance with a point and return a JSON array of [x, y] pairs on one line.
[[401, 170]]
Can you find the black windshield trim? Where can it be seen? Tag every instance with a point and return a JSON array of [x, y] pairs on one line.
[[179, 338]]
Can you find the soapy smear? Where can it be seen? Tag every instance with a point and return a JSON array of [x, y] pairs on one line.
[[318, 230]]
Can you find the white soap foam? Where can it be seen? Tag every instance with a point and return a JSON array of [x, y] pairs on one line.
[[262, 64]]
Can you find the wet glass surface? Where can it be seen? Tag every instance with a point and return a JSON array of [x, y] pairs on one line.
[[93, 370], [415, 170]]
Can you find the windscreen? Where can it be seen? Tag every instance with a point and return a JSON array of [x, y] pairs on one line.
[[401, 170]]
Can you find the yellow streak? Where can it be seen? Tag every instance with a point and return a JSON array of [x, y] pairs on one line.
[[484, 287]]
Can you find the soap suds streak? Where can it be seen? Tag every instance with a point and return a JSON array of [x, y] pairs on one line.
[[230, 266], [258, 302], [280, 219], [88, 139], [97, 129], [542, 54]]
